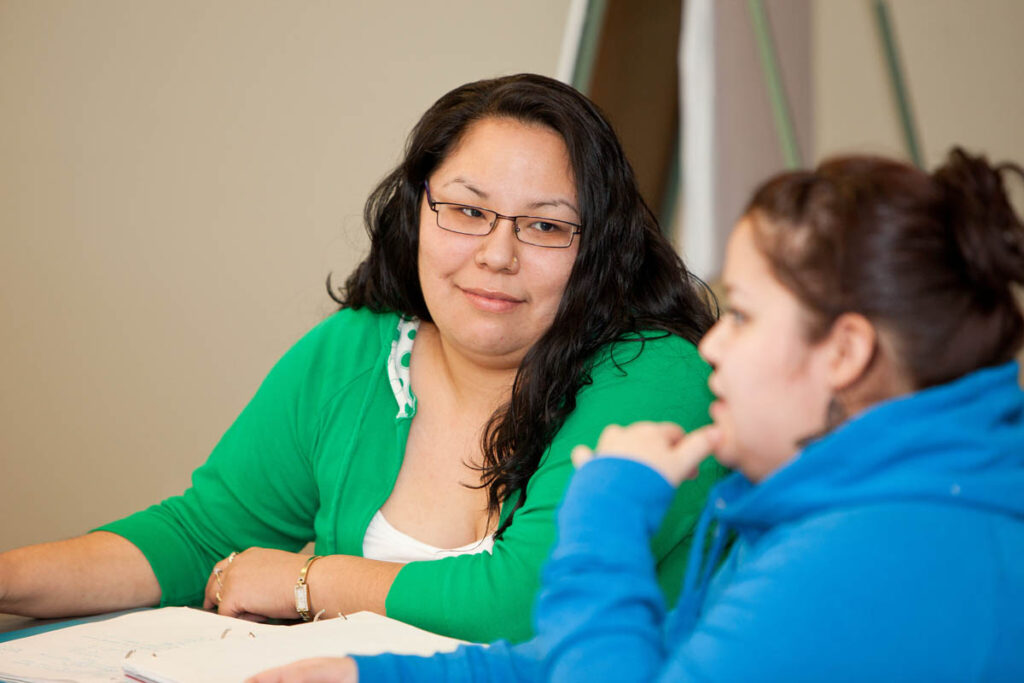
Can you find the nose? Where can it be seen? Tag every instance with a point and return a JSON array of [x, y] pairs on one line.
[[499, 250], [710, 344]]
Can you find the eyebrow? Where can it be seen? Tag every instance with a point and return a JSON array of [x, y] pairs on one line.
[[729, 291], [555, 201]]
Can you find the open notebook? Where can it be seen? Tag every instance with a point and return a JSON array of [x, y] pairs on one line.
[[179, 644]]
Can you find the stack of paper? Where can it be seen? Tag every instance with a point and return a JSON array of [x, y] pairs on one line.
[[178, 644]]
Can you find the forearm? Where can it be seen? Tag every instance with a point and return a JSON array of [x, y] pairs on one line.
[[346, 584], [260, 583], [601, 613], [90, 574], [498, 663]]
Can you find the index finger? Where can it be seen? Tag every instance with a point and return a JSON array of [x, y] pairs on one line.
[[693, 448]]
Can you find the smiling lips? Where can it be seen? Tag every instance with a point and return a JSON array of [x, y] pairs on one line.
[[491, 301]]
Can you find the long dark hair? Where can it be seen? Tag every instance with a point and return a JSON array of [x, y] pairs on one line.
[[930, 258], [626, 277]]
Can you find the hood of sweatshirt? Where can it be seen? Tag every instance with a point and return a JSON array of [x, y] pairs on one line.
[[960, 443]]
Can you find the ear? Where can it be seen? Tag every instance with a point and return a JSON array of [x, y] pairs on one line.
[[852, 343]]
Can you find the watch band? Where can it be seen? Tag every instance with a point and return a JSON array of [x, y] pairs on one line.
[[302, 590]]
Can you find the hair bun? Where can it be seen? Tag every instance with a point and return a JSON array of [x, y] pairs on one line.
[[988, 233]]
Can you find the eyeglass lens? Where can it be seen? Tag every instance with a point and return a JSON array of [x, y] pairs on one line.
[[470, 220]]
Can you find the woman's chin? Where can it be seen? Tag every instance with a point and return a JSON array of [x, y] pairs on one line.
[[724, 452], [490, 348], [728, 452], [724, 442]]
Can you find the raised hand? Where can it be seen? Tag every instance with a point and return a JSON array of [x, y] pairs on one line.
[[663, 446]]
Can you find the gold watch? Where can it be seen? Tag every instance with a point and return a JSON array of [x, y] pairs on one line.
[[302, 590]]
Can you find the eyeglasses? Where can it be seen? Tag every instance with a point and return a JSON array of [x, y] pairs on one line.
[[466, 219]]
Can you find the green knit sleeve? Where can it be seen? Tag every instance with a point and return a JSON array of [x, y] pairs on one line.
[[258, 487], [483, 598]]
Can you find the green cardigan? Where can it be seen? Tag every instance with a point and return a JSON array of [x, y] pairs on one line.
[[316, 453]]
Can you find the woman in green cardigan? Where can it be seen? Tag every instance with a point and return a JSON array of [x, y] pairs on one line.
[[517, 298]]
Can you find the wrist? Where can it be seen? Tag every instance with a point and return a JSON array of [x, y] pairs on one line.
[[303, 599]]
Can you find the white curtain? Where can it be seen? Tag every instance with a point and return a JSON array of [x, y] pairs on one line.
[[729, 140]]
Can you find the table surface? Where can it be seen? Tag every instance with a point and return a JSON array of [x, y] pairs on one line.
[[13, 626]]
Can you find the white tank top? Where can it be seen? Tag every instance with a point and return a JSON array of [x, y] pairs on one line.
[[385, 542]]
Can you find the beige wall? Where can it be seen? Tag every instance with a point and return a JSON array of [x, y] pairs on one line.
[[963, 62], [176, 181]]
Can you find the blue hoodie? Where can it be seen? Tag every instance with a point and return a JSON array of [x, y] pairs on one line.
[[890, 550]]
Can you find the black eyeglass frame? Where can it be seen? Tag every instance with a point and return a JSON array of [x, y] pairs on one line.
[[498, 216]]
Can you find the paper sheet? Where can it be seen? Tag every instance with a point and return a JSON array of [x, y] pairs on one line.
[[183, 644], [94, 652], [217, 661]]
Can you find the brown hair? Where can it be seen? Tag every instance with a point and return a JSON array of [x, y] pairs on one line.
[[928, 258]]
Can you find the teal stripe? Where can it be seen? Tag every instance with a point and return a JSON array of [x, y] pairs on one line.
[[776, 89], [586, 54], [887, 32]]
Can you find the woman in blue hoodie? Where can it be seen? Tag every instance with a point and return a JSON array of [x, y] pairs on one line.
[[868, 399]]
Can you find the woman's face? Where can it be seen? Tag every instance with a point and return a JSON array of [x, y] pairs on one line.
[[771, 385], [492, 297]]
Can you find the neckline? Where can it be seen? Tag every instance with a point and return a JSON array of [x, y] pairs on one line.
[[481, 543]]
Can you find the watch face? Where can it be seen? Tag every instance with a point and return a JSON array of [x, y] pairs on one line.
[[302, 600]]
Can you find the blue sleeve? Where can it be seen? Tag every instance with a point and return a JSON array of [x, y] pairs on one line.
[[497, 663], [601, 613]]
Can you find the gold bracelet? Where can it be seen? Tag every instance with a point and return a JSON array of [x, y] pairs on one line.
[[302, 590]]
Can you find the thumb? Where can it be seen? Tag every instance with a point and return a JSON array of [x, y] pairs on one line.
[[581, 455]]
